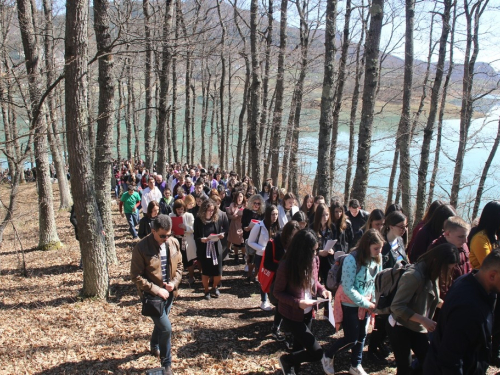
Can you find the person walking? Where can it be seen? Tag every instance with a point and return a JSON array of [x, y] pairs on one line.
[[156, 269]]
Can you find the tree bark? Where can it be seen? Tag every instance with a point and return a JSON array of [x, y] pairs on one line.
[[370, 87], [95, 269], [148, 151], [255, 95], [48, 238], [164, 87], [104, 158], [325, 149], [360, 62], [404, 131], [472, 15], [222, 136]]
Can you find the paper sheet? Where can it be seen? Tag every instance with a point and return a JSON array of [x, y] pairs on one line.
[[330, 244], [331, 318]]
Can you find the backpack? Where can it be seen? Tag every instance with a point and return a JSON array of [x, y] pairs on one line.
[[386, 286], [334, 277]]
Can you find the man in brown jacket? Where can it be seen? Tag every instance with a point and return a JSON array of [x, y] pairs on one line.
[[156, 269]]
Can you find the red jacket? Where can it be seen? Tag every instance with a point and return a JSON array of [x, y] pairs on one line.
[[289, 297]]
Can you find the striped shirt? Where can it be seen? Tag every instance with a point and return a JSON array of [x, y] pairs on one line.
[[164, 263]]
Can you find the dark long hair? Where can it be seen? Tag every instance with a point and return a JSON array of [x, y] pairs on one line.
[[363, 254], [304, 208], [430, 211], [490, 220], [394, 218], [437, 261], [436, 222], [322, 208], [271, 227], [375, 215], [272, 191], [299, 259], [288, 232], [340, 223]]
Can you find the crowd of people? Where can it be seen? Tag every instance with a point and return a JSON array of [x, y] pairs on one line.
[[197, 218]]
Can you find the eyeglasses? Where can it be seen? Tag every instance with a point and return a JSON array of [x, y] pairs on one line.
[[256, 203], [402, 227]]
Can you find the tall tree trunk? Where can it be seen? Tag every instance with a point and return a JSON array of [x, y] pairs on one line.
[[404, 123], [437, 151], [472, 15], [255, 95], [339, 92], [90, 115], [164, 87], [241, 153], [128, 111], [229, 121], [119, 121], [285, 168], [55, 147], [434, 104], [135, 122], [95, 267], [222, 136], [104, 157], [482, 180], [370, 87], [267, 66], [148, 151], [173, 110], [280, 88], [360, 62], [205, 93], [327, 102], [48, 238]]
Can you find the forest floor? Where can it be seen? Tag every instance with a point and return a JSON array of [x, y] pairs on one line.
[[46, 328]]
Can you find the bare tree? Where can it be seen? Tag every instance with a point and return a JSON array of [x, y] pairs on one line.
[[48, 238], [94, 259], [148, 84], [370, 87]]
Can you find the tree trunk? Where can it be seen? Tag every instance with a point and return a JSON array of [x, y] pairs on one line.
[[104, 158], [55, 147], [360, 62], [437, 152], [265, 78], [285, 168], [280, 88], [255, 95], [48, 238], [128, 112], [404, 123], [472, 16], [433, 110], [222, 136], [370, 87], [119, 121], [205, 93], [325, 148], [95, 268], [164, 87], [148, 151], [482, 180]]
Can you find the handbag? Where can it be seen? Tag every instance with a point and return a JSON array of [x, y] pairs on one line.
[[249, 249], [266, 277], [152, 305]]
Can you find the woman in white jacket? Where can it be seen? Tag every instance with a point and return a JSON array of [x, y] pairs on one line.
[[286, 209], [259, 236], [186, 241]]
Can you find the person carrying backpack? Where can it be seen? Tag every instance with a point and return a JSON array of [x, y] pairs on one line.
[[414, 304], [354, 300]]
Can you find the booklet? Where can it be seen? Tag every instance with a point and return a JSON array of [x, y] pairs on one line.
[[176, 221], [214, 236]]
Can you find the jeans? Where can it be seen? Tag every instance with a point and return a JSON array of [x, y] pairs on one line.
[[133, 220], [117, 191], [305, 346], [403, 342], [354, 335], [160, 338], [256, 262]]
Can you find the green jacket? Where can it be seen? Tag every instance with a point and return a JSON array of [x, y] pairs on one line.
[[416, 294]]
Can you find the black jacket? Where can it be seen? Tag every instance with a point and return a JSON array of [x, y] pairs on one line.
[[461, 343], [279, 251]]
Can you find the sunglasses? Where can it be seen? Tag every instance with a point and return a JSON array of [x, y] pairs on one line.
[[164, 236]]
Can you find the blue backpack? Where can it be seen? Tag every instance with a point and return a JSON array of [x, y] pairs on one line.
[[334, 278]]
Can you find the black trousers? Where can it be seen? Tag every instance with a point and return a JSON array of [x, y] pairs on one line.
[[305, 346], [379, 332], [403, 342]]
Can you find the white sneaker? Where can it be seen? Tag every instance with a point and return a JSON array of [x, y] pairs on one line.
[[327, 363], [358, 370], [266, 306]]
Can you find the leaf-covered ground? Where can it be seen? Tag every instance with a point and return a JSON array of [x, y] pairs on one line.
[[46, 328]]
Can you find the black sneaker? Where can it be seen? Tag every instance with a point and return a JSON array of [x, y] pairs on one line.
[[207, 295], [277, 334], [376, 357], [215, 292], [289, 342], [286, 366]]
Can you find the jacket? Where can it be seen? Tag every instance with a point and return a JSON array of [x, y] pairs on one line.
[[282, 219], [145, 268], [461, 344], [421, 243], [290, 296], [188, 221], [389, 257], [480, 247], [416, 293], [279, 251]]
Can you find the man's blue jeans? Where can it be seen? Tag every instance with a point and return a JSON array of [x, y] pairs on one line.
[[160, 338], [133, 220]]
